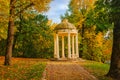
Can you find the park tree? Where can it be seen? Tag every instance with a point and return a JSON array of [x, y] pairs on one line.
[[30, 32], [3, 24], [15, 8], [91, 19], [108, 14], [114, 70]]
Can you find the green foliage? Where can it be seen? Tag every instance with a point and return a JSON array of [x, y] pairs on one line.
[[114, 7], [99, 16], [33, 37]]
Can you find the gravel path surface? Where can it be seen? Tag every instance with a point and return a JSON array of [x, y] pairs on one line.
[[66, 71]]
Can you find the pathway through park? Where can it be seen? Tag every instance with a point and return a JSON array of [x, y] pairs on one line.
[[56, 70]]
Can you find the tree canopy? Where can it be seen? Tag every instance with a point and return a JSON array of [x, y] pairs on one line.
[[15, 8]]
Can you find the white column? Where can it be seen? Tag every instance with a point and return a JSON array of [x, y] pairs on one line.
[[69, 46], [77, 53], [63, 54], [73, 52], [55, 50], [57, 45]]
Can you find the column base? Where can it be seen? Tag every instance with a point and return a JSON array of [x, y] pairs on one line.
[[54, 59], [64, 59], [59, 59]]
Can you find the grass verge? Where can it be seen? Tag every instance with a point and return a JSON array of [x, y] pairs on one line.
[[98, 69], [22, 69]]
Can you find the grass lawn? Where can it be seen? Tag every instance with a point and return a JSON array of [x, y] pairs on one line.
[[97, 69], [32, 69], [22, 69]]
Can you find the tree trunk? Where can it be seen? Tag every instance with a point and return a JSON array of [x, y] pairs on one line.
[[10, 36], [114, 70]]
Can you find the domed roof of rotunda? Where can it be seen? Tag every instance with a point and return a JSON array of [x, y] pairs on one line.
[[64, 25]]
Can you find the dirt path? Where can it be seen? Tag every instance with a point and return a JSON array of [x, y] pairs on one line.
[[66, 71]]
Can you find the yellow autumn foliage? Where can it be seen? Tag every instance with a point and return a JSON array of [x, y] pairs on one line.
[[4, 16], [99, 39], [19, 6], [95, 46]]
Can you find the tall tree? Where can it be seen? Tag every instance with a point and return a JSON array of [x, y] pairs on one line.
[[10, 37], [114, 70], [17, 7], [78, 10]]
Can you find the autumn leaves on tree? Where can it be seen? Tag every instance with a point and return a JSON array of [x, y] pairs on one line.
[[15, 8]]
